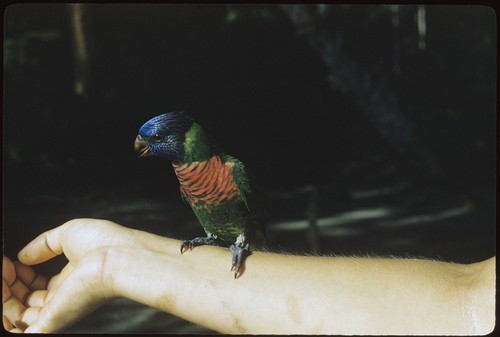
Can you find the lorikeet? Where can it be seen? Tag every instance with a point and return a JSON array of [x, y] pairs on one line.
[[216, 185]]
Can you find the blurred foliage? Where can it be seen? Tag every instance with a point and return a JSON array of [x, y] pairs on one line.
[[17, 50], [253, 76]]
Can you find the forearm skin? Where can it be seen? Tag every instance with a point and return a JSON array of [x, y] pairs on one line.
[[288, 294]]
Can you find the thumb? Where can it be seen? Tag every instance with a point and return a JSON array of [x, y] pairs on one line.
[[44, 247]]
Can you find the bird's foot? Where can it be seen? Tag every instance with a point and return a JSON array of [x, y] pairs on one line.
[[240, 252], [199, 241]]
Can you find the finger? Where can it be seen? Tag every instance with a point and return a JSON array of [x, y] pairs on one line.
[[6, 294], [6, 324], [19, 290], [69, 303], [39, 283], [13, 310], [8, 270], [31, 315], [59, 278], [16, 330], [56, 281], [9, 327], [37, 298], [31, 279], [44, 247]]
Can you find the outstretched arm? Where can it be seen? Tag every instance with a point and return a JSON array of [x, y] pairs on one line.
[[276, 294]]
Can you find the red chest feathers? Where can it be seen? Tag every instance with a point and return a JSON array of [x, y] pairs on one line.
[[207, 183]]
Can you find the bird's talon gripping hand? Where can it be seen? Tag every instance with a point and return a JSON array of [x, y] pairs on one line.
[[240, 252], [200, 241], [185, 243]]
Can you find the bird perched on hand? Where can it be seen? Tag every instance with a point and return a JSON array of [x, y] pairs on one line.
[[215, 185]]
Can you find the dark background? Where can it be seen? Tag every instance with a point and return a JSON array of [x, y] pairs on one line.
[[395, 129]]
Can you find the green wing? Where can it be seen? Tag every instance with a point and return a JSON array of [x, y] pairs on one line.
[[249, 191], [242, 180]]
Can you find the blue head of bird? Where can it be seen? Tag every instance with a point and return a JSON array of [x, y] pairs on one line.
[[163, 136]]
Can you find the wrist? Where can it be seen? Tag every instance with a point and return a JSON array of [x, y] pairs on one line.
[[141, 269], [155, 273]]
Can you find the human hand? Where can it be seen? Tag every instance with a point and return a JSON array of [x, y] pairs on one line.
[[107, 260], [84, 284], [18, 283]]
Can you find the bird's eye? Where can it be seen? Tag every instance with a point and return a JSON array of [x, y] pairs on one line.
[[157, 137]]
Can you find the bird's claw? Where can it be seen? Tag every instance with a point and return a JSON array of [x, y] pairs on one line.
[[200, 241], [186, 243], [240, 252]]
